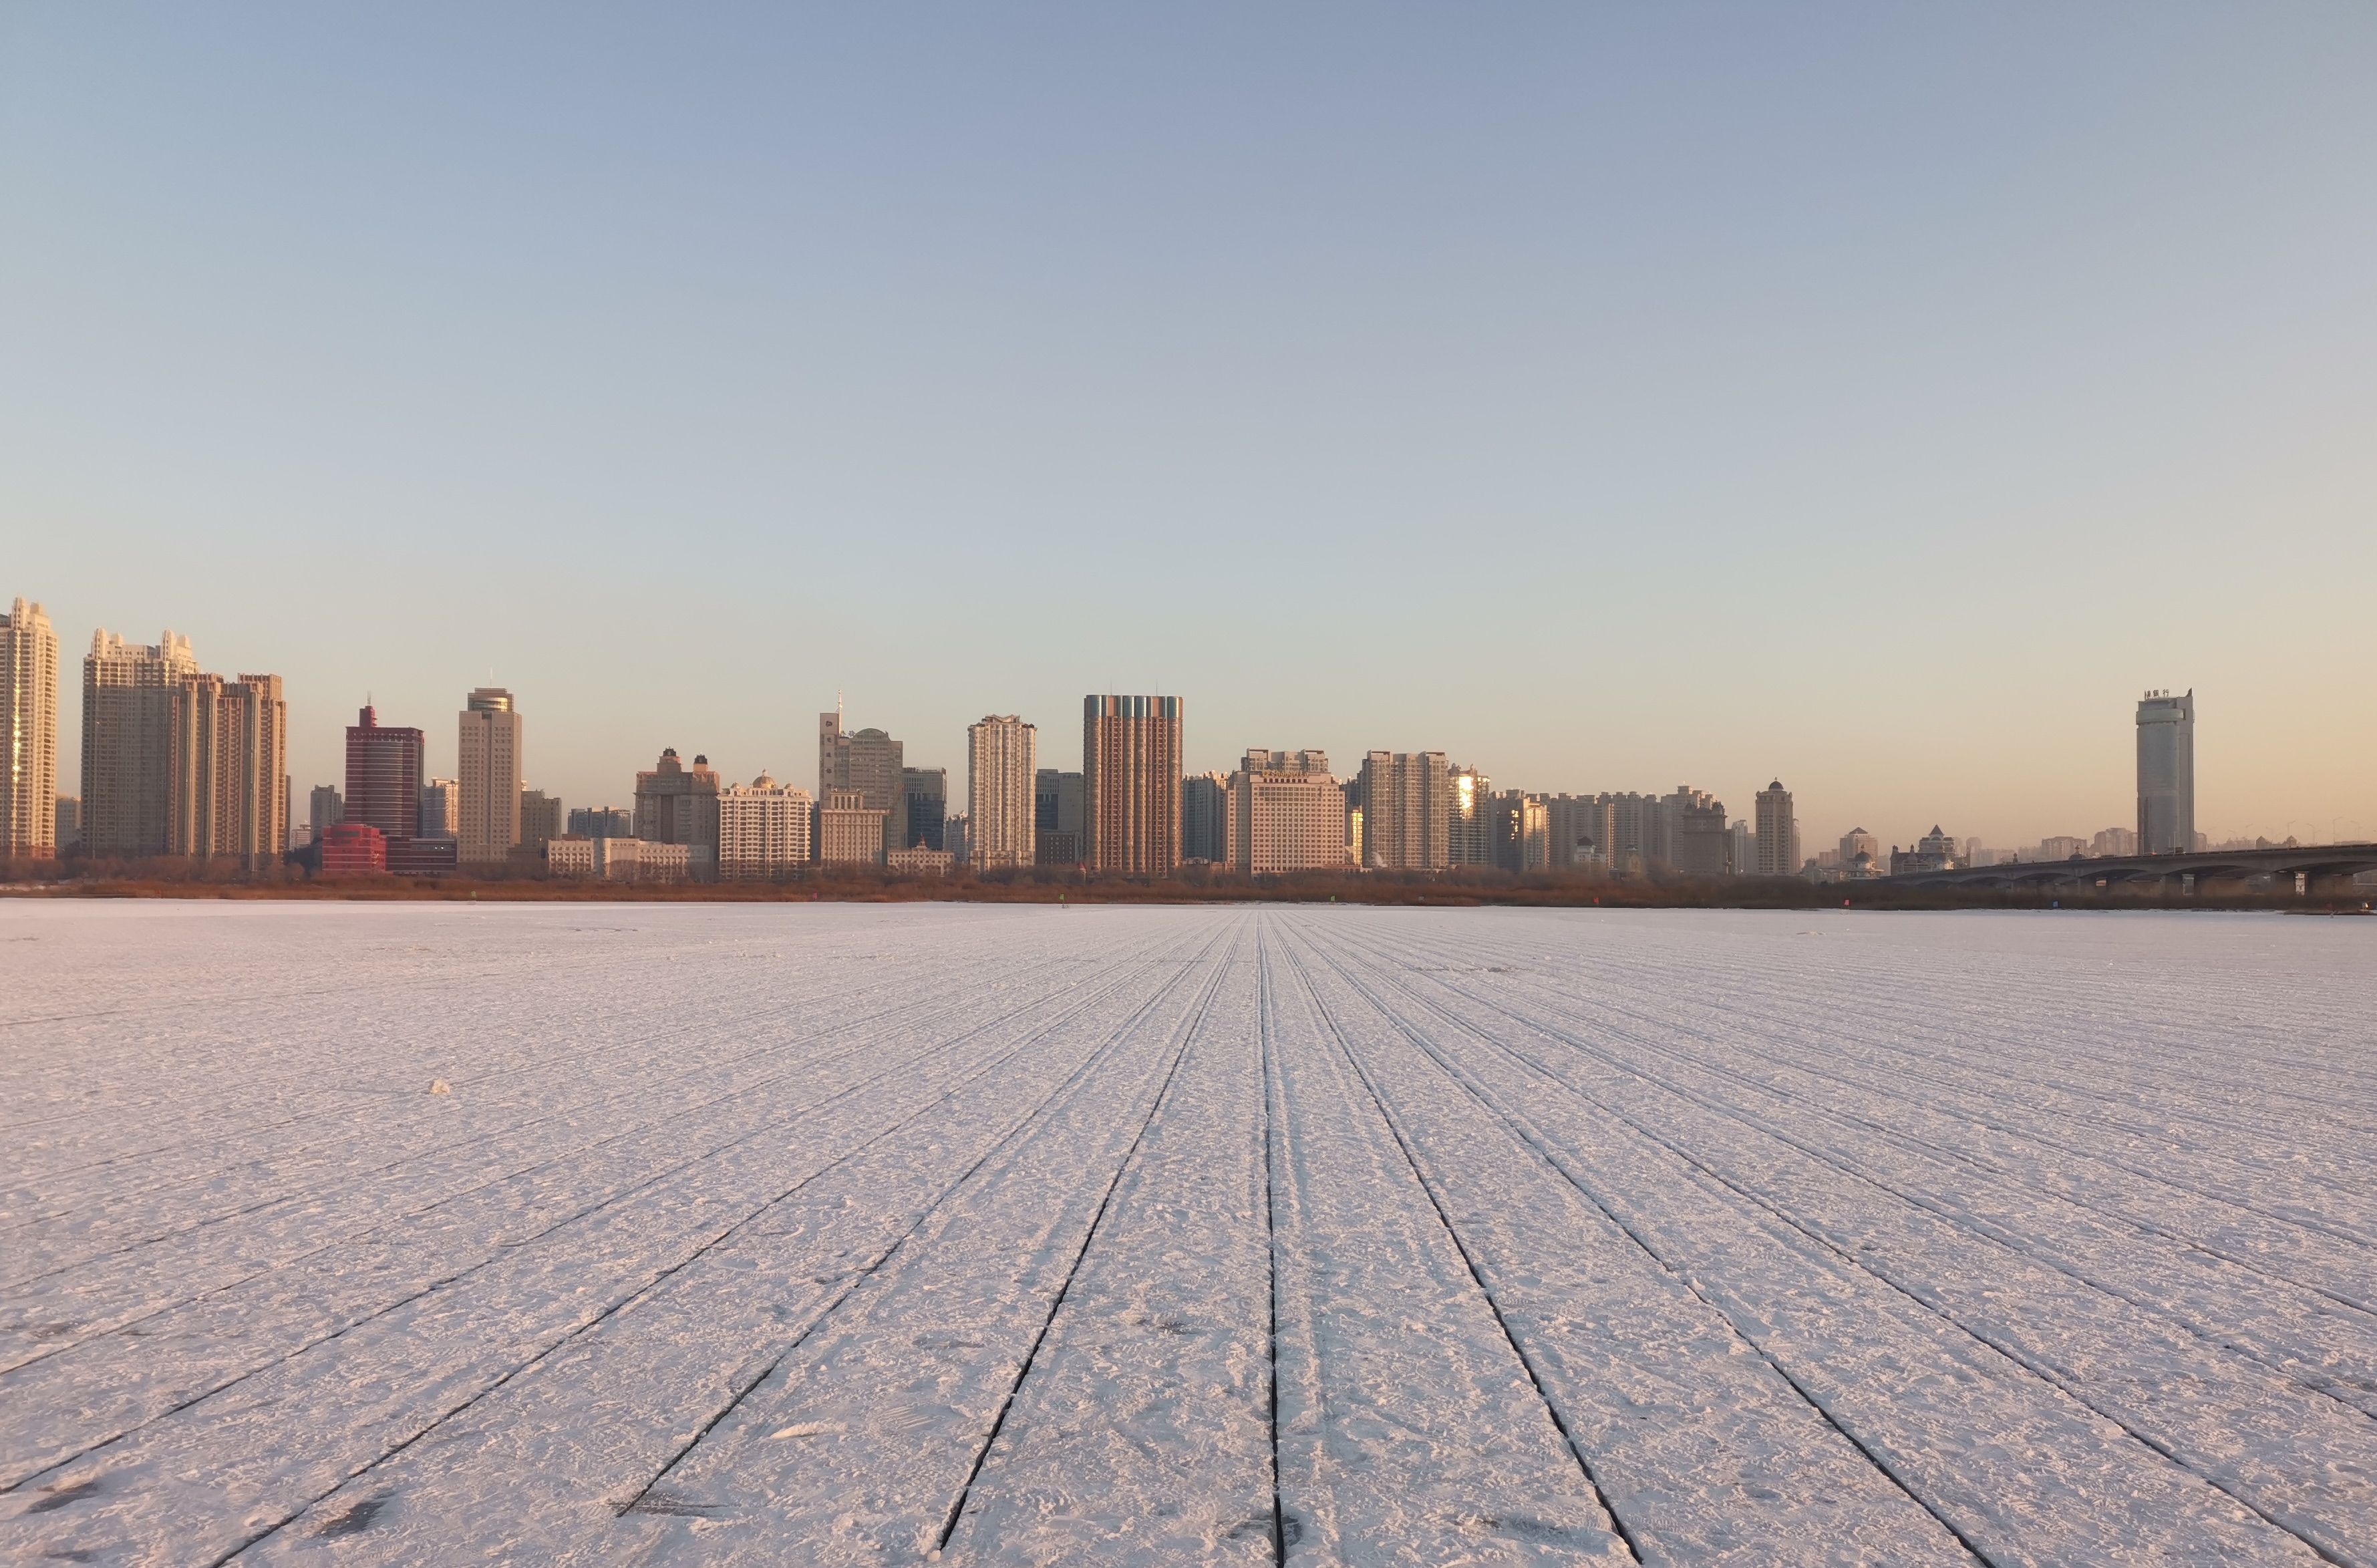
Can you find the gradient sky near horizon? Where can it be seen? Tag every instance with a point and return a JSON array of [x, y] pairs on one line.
[[1880, 396]]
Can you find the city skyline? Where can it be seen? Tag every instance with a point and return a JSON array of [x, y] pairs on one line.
[[174, 653], [1756, 388]]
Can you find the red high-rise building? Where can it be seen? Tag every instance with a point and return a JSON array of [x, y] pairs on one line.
[[384, 777]]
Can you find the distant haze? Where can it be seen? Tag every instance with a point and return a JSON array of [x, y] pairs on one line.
[[1879, 398]]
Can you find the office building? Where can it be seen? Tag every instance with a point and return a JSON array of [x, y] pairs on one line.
[[1286, 814], [441, 810], [383, 776], [926, 794], [1130, 783], [1520, 830], [918, 861], [1002, 767], [870, 762], [127, 740], [540, 818], [351, 849], [325, 807], [1056, 818], [29, 729], [953, 838], [570, 854], [65, 818], [763, 830], [1406, 805], [602, 821], [675, 804], [227, 748], [2165, 773], [489, 757], [1778, 833], [850, 831], [1469, 839]]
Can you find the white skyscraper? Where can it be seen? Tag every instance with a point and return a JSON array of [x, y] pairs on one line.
[[490, 765], [28, 728], [2165, 773], [1002, 758]]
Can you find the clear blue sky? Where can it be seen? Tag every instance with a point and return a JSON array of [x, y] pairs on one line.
[[1879, 396]]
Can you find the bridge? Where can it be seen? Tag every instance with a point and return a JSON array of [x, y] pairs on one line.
[[2293, 867]]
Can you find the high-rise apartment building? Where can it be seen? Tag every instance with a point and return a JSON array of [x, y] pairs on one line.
[[675, 804], [1578, 830], [1407, 804], [383, 776], [1205, 818], [870, 762], [441, 810], [1056, 811], [850, 831], [325, 807], [1695, 832], [1286, 814], [2167, 773], [602, 821], [1469, 838], [1002, 766], [128, 701], [489, 757], [227, 748], [763, 830], [2114, 842], [926, 794], [1778, 833], [67, 817], [29, 730], [1520, 830], [1131, 782], [1857, 842], [540, 818]]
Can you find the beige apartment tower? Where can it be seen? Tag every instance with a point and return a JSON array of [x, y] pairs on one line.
[[227, 750], [489, 760], [1130, 783], [763, 830], [1406, 810], [1286, 814], [127, 700], [1002, 773], [29, 727]]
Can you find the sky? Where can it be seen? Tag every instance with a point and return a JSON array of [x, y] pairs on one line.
[[1876, 397]]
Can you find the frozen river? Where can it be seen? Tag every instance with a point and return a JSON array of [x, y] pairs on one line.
[[856, 1234]]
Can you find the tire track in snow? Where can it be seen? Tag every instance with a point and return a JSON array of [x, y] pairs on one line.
[[1854, 1264], [519, 1246]]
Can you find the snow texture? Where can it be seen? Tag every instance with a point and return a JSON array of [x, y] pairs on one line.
[[841, 1234]]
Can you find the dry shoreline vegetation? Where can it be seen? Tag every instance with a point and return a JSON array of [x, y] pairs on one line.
[[1192, 885]]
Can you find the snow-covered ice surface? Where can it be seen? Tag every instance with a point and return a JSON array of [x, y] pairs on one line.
[[856, 1234]]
